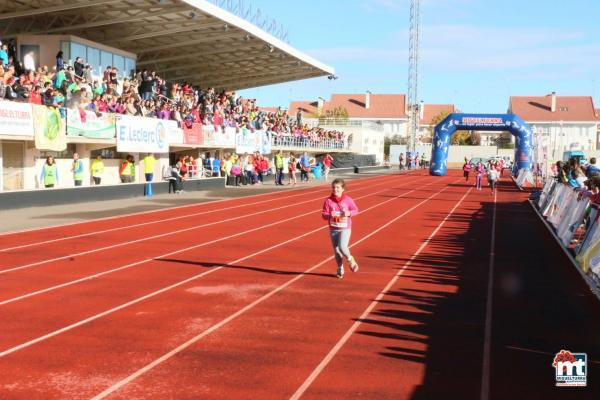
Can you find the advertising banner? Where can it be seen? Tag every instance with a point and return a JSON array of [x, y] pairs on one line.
[[50, 129], [251, 142], [143, 135], [247, 141], [193, 134], [16, 119], [216, 136], [90, 125], [175, 136]]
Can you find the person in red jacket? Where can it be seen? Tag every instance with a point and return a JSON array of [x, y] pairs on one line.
[[264, 166], [327, 166], [257, 169]]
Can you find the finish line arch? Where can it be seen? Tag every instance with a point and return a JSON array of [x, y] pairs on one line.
[[481, 122]]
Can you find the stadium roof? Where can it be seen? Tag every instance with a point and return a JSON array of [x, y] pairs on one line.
[[183, 40]]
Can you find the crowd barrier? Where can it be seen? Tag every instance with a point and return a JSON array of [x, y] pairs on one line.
[[51, 126], [574, 219]]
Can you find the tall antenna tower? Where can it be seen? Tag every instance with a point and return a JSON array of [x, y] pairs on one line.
[[413, 74]]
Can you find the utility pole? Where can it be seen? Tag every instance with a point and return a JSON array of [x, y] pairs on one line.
[[413, 74]]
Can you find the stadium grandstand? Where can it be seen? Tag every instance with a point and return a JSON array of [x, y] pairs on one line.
[[103, 67]]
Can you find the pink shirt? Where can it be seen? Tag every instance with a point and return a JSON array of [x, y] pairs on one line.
[[331, 208]]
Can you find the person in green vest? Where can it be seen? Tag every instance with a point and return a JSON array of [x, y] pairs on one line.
[[149, 162], [97, 169], [49, 176], [132, 166], [77, 170], [279, 168]]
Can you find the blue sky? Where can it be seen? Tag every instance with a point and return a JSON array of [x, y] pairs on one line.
[[474, 53]]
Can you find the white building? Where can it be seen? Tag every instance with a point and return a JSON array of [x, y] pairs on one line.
[[564, 122]]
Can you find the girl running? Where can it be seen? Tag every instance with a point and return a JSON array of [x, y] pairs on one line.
[[339, 209], [479, 170], [493, 177], [466, 170]]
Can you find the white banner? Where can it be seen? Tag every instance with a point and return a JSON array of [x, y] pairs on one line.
[[247, 141], [143, 135], [175, 136], [16, 119]]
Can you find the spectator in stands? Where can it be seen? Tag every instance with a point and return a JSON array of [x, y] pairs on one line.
[[3, 54], [97, 169], [49, 175], [592, 170], [60, 63]]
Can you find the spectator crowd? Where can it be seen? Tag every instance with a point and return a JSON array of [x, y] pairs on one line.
[[147, 94]]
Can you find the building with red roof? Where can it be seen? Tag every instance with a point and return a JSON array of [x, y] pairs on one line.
[[564, 122]]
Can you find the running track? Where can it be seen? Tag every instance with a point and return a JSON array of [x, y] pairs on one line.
[[460, 294]]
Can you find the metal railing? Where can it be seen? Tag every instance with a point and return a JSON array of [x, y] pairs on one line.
[[341, 122], [286, 142]]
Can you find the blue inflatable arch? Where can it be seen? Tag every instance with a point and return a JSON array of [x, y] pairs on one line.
[[481, 122]]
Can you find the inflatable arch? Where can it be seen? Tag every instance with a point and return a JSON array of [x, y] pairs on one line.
[[481, 122]]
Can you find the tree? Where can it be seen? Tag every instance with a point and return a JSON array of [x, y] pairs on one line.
[[461, 138], [436, 120], [387, 142], [338, 113], [475, 139]]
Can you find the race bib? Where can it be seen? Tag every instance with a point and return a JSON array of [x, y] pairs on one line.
[[339, 222]]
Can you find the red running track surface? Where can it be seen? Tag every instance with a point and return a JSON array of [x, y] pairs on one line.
[[237, 300]]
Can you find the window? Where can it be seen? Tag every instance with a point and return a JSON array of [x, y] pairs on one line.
[[68, 153], [119, 63], [129, 67], [108, 153], [94, 60], [106, 60], [66, 49], [78, 50]]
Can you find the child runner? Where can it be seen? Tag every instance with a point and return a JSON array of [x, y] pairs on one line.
[[493, 176], [339, 209], [479, 170], [466, 170]]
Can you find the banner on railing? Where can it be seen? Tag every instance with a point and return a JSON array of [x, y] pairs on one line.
[[247, 141], [16, 119], [89, 124], [49, 128], [175, 136], [143, 135], [193, 134], [216, 136]]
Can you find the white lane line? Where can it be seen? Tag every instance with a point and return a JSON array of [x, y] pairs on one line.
[[93, 276], [315, 373], [54, 240], [248, 307], [170, 208], [113, 246], [185, 281], [487, 337]]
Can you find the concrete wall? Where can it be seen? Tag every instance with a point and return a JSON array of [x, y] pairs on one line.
[[40, 198]]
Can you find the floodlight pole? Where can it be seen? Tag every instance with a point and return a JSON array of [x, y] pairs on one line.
[[413, 75]]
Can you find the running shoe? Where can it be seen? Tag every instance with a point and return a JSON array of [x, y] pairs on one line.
[[353, 264], [340, 272]]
